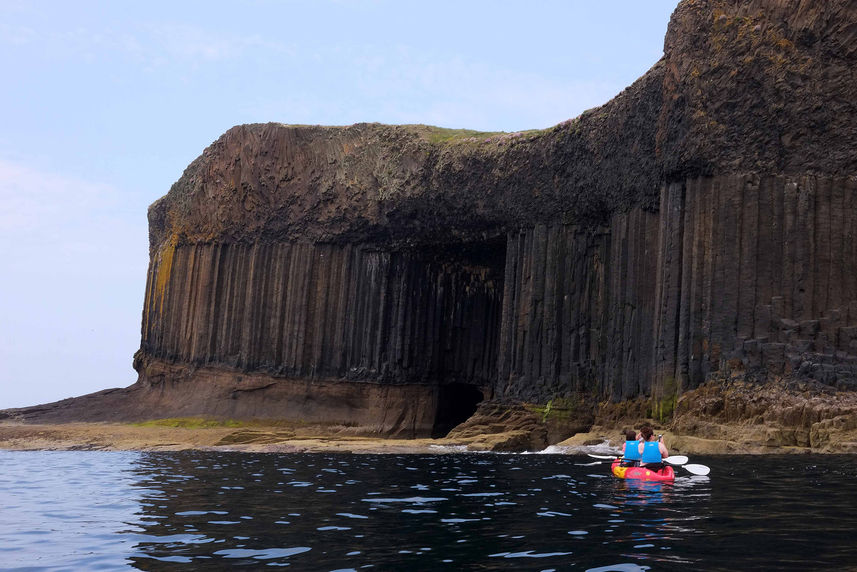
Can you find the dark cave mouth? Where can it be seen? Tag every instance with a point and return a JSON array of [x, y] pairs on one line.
[[456, 403], [472, 276]]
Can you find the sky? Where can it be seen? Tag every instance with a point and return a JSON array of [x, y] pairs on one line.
[[104, 104]]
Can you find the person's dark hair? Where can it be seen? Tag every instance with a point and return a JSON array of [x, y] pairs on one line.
[[646, 432], [630, 435]]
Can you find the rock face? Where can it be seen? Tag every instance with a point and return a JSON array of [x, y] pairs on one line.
[[726, 415], [701, 222]]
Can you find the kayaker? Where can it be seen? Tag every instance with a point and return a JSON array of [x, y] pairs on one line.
[[630, 449], [652, 449]]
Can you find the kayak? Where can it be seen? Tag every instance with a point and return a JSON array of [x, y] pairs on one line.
[[665, 475]]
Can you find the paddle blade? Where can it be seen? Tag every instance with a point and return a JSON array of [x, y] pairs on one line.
[[701, 470], [676, 460], [606, 457]]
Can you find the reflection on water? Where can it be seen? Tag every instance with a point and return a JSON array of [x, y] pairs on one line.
[[68, 509], [174, 511]]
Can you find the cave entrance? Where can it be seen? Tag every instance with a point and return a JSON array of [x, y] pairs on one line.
[[456, 402]]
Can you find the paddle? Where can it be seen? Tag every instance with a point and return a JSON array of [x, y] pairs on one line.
[[680, 460], [673, 460], [693, 469]]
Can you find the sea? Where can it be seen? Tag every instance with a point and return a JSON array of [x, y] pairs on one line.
[[95, 510]]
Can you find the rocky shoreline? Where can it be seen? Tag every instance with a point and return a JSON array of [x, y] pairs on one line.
[[730, 415], [272, 439]]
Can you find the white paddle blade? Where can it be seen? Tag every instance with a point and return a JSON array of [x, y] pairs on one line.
[[701, 470], [676, 460], [607, 457]]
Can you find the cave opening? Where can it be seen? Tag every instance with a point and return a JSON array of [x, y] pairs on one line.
[[467, 317], [456, 402]]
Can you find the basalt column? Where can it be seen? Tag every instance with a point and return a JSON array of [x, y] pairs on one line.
[[427, 321], [764, 281], [579, 309], [739, 272]]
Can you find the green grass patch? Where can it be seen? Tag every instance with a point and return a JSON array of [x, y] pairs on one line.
[[664, 401], [558, 408], [664, 408], [190, 423], [444, 135]]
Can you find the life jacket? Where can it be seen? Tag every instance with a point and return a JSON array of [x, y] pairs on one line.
[[632, 451], [651, 452]]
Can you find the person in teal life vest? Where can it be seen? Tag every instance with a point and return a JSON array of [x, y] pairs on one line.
[[630, 449], [652, 449]]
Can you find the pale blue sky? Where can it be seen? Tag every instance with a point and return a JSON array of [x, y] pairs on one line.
[[105, 103]]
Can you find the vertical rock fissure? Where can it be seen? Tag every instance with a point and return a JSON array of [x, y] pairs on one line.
[[680, 292]]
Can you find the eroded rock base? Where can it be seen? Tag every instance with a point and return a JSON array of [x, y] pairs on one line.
[[359, 408], [737, 414]]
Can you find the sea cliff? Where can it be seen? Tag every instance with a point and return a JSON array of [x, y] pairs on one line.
[[694, 233]]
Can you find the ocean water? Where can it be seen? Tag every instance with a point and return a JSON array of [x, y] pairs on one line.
[[91, 510]]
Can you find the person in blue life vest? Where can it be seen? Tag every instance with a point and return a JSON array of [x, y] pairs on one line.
[[630, 449], [652, 449]]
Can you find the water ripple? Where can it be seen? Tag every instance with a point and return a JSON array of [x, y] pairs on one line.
[[175, 511]]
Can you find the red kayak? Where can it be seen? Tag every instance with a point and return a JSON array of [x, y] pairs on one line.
[[665, 475]]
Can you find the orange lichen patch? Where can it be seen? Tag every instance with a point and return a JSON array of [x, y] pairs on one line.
[[165, 267], [784, 44]]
